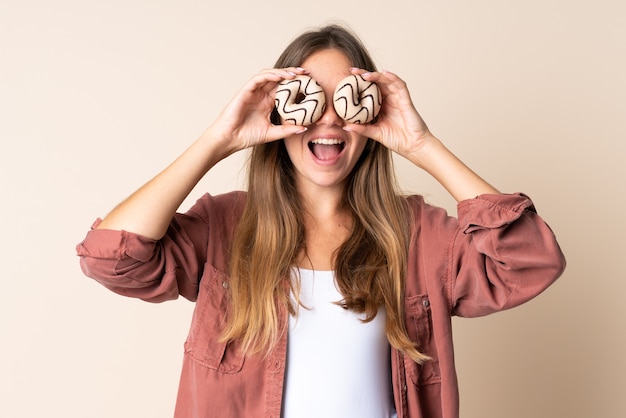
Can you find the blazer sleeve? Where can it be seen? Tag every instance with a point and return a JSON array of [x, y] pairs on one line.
[[158, 270], [501, 255]]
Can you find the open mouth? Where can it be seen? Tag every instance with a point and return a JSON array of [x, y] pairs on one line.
[[326, 149]]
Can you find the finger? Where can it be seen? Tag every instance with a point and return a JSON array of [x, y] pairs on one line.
[[358, 71], [386, 80], [367, 130], [276, 132], [275, 75], [298, 70], [286, 73], [268, 79]]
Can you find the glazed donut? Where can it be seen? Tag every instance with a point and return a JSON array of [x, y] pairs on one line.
[[300, 101], [357, 100]]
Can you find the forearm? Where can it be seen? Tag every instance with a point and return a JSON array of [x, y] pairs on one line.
[[457, 178], [149, 210]]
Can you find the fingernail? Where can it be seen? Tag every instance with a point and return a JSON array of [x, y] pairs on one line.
[[301, 131], [291, 72]]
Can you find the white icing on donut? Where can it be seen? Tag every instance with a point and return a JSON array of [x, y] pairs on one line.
[[357, 100], [300, 101]]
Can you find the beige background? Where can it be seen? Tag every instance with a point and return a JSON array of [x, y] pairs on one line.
[[96, 97]]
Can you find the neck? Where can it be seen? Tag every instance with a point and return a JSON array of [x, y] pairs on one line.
[[327, 224], [323, 203]]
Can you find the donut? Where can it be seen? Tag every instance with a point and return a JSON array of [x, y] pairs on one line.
[[357, 100], [300, 101]]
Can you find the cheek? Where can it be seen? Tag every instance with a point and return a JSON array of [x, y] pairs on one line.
[[293, 145], [360, 142]]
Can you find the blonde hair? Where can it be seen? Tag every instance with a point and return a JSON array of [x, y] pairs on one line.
[[370, 266]]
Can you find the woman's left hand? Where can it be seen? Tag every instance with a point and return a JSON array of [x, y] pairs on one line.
[[399, 126]]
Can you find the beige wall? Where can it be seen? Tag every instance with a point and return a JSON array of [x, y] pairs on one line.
[[95, 97]]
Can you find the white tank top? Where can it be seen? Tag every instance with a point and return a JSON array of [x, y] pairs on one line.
[[337, 366]]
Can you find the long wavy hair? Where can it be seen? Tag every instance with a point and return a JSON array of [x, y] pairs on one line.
[[370, 266]]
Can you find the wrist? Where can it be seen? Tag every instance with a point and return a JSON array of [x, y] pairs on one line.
[[215, 144], [425, 151], [457, 178]]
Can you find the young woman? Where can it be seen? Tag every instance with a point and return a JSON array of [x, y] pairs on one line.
[[322, 291]]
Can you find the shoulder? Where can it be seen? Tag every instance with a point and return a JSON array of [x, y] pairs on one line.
[[431, 226], [422, 211], [209, 206], [230, 199]]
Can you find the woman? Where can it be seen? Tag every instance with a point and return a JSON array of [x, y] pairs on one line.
[[322, 291]]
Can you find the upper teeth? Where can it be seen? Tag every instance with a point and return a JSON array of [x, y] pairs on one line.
[[325, 141]]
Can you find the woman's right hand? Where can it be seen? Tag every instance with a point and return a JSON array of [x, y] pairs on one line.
[[245, 121]]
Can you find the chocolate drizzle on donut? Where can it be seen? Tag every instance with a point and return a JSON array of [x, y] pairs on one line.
[[300, 101], [357, 100]]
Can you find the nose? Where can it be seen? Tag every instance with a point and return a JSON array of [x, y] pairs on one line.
[[330, 116]]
